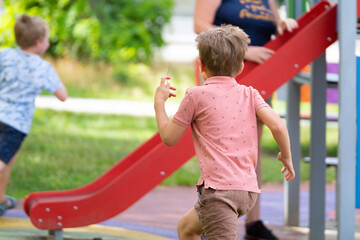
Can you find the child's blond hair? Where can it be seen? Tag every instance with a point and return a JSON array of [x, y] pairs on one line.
[[28, 30], [222, 49]]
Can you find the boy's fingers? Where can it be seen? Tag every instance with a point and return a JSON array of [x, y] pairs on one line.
[[164, 78], [290, 178], [292, 173]]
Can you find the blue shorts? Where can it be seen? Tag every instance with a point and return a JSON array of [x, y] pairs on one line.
[[10, 142]]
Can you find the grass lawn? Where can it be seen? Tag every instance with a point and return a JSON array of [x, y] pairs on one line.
[[98, 81], [67, 150]]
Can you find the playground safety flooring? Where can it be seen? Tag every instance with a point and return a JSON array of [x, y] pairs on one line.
[[155, 216]]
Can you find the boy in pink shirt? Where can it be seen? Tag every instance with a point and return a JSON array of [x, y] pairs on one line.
[[222, 115]]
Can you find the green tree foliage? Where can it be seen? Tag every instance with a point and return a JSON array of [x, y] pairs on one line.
[[111, 30]]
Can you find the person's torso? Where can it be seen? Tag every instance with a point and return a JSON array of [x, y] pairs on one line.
[[253, 16], [225, 133], [23, 76]]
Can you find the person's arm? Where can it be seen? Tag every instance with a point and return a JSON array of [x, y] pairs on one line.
[[170, 132], [204, 15], [261, 54], [288, 24], [258, 54], [61, 94], [273, 7], [280, 133]]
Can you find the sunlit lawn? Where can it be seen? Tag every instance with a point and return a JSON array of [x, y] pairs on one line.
[[98, 81], [67, 150]]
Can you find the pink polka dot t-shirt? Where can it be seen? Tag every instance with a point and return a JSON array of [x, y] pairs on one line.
[[222, 115]]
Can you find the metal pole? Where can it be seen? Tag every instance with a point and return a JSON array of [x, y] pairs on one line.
[[346, 26], [292, 189], [298, 9], [56, 234], [318, 149]]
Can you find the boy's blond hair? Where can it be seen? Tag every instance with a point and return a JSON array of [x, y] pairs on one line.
[[28, 30], [222, 49]]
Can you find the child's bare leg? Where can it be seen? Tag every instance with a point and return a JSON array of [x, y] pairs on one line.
[[189, 226], [5, 170]]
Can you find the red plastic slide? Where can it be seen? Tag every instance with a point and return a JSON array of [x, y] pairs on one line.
[[152, 162]]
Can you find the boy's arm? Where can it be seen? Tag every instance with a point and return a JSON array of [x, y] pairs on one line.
[[61, 94], [170, 132], [280, 133]]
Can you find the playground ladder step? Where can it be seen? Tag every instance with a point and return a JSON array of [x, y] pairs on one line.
[[330, 161]]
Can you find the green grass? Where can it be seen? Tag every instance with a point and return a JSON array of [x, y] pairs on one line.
[[67, 150], [99, 81]]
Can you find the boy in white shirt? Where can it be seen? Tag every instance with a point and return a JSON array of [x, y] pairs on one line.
[[23, 76]]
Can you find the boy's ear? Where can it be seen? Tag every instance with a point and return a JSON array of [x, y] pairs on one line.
[[38, 42], [202, 67], [242, 68]]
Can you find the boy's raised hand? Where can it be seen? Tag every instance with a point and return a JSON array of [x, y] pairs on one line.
[[287, 167], [163, 90]]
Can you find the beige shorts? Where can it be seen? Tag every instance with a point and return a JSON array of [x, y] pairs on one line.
[[219, 210]]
